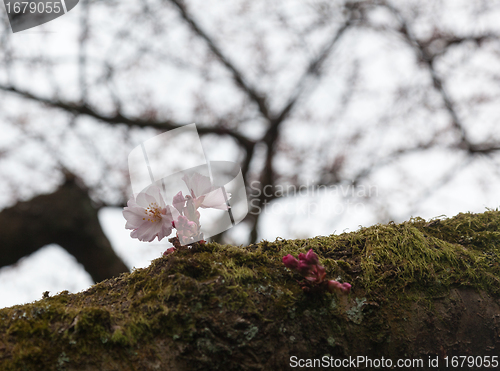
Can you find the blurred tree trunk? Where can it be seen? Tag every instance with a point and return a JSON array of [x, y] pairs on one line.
[[65, 217]]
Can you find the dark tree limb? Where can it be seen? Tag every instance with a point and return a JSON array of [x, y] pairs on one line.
[[65, 217], [270, 138], [119, 118], [428, 58], [256, 97]]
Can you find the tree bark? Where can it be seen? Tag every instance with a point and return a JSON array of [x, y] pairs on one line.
[[422, 293], [65, 217]]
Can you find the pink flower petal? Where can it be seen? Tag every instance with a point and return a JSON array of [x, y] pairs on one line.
[[215, 200], [197, 184], [179, 201], [169, 251], [311, 258], [148, 216], [290, 262], [335, 286]]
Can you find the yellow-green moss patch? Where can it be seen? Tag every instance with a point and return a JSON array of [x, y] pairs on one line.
[[226, 301]]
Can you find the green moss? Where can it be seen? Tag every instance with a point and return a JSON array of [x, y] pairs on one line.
[[187, 297]]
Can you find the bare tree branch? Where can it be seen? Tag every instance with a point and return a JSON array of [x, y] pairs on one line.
[[312, 74], [255, 96], [425, 56], [270, 138], [65, 217], [119, 118]]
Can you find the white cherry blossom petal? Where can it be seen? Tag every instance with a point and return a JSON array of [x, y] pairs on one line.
[[215, 200], [148, 216]]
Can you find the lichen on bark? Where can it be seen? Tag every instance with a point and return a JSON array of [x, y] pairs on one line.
[[419, 289]]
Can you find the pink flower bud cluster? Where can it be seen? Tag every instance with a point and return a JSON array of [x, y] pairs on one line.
[[150, 217], [308, 266]]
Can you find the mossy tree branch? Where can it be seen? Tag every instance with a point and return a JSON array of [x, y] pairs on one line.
[[420, 289]]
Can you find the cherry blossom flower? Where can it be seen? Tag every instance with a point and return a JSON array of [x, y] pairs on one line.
[[187, 230], [190, 211], [179, 201], [313, 273], [203, 194], [310, 258], [148, 216], [335, 286], [308, 266], [290, 262], [169, 251]]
